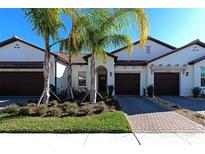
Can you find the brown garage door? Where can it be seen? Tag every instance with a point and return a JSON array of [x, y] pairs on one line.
[[127, 84], [166, 83], [21, 83]]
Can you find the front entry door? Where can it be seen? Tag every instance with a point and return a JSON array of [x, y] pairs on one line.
[[102, 80]]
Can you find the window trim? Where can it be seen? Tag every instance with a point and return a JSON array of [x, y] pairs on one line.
[[85, 79], [203, 86]]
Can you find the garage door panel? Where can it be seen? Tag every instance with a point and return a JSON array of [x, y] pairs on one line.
[[166, 83], [127, 84], [21, 83]]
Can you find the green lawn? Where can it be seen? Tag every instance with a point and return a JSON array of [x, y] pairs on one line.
[[108, 122]]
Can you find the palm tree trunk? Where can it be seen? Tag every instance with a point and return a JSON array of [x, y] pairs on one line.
[[46, 74], [93, 88], [69, 90]]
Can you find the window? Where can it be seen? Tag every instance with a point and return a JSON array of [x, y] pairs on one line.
[[81, 78], [148, 49], [203, 77]]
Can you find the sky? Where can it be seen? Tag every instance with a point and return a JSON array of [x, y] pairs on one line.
[[174, 26]]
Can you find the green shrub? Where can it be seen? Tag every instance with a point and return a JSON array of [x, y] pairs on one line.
[[41, 110], [55, 111], [25, 110], [12, 109], [53, 103], [110, 90], [99, 107], [150, 90], [196, 91], [71, 108], [31, 105], [87, 109]]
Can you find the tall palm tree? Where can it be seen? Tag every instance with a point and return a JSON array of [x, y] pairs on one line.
[[72, 44], [46, 23], [103, 29]]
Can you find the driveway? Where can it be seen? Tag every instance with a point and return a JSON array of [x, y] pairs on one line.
[[8, 100], [185, 102], [148, 117]]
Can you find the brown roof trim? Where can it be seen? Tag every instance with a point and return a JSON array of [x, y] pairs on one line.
[[197, 42], [197, 60], [79, 63], [109, 54], [131, 63], [149, 38], [15, 38], [21, 64]]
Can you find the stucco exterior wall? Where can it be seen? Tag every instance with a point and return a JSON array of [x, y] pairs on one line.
[[197, 74], [108, 64], [61, 76], [181, 57], [139, 52], [75, 70], [25, 53], [134, 69]]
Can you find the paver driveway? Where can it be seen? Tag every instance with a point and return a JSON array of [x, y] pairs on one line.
[[148, 117], [192, 104]]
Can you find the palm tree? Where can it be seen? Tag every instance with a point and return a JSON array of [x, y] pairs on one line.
[[72, 44], [46, 23], [103, 28]]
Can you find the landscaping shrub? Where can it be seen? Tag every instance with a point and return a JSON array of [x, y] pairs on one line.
[[25, 110], [196, 91], [71, 108], [55, 111], [31, 105], [150, 90], [12, 109], [53, 103], [86, 109], [99, 107], [41, 110], [110, 90]]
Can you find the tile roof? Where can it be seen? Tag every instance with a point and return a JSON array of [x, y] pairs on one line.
[[77, 59]]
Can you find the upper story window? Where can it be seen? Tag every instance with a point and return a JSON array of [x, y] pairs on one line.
[[81, 78], [148, 49], [203, 77]]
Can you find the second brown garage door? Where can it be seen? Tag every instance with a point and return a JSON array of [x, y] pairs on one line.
[[127, 84], [21, 83], [166, 83]]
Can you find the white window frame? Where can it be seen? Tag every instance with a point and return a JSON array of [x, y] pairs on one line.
[[203, 86], [85, 79]]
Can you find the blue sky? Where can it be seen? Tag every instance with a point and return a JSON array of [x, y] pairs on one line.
[[174, 26]]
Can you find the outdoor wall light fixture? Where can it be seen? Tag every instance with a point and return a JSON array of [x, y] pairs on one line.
[[187, 73], [110, 73]]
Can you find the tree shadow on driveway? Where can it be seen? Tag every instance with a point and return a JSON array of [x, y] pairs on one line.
[[132, 105]]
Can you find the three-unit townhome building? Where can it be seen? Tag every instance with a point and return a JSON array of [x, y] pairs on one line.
[[172, 71]]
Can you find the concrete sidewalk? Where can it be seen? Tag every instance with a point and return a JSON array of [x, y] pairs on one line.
[[63, 141]]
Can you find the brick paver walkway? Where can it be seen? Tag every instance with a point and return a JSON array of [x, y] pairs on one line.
[[147, 117]]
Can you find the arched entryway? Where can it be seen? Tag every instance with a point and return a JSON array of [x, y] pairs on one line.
[[101, 78]]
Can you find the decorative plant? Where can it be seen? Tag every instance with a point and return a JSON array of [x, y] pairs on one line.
[[110, 90], [150, 90], [196, 91]]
